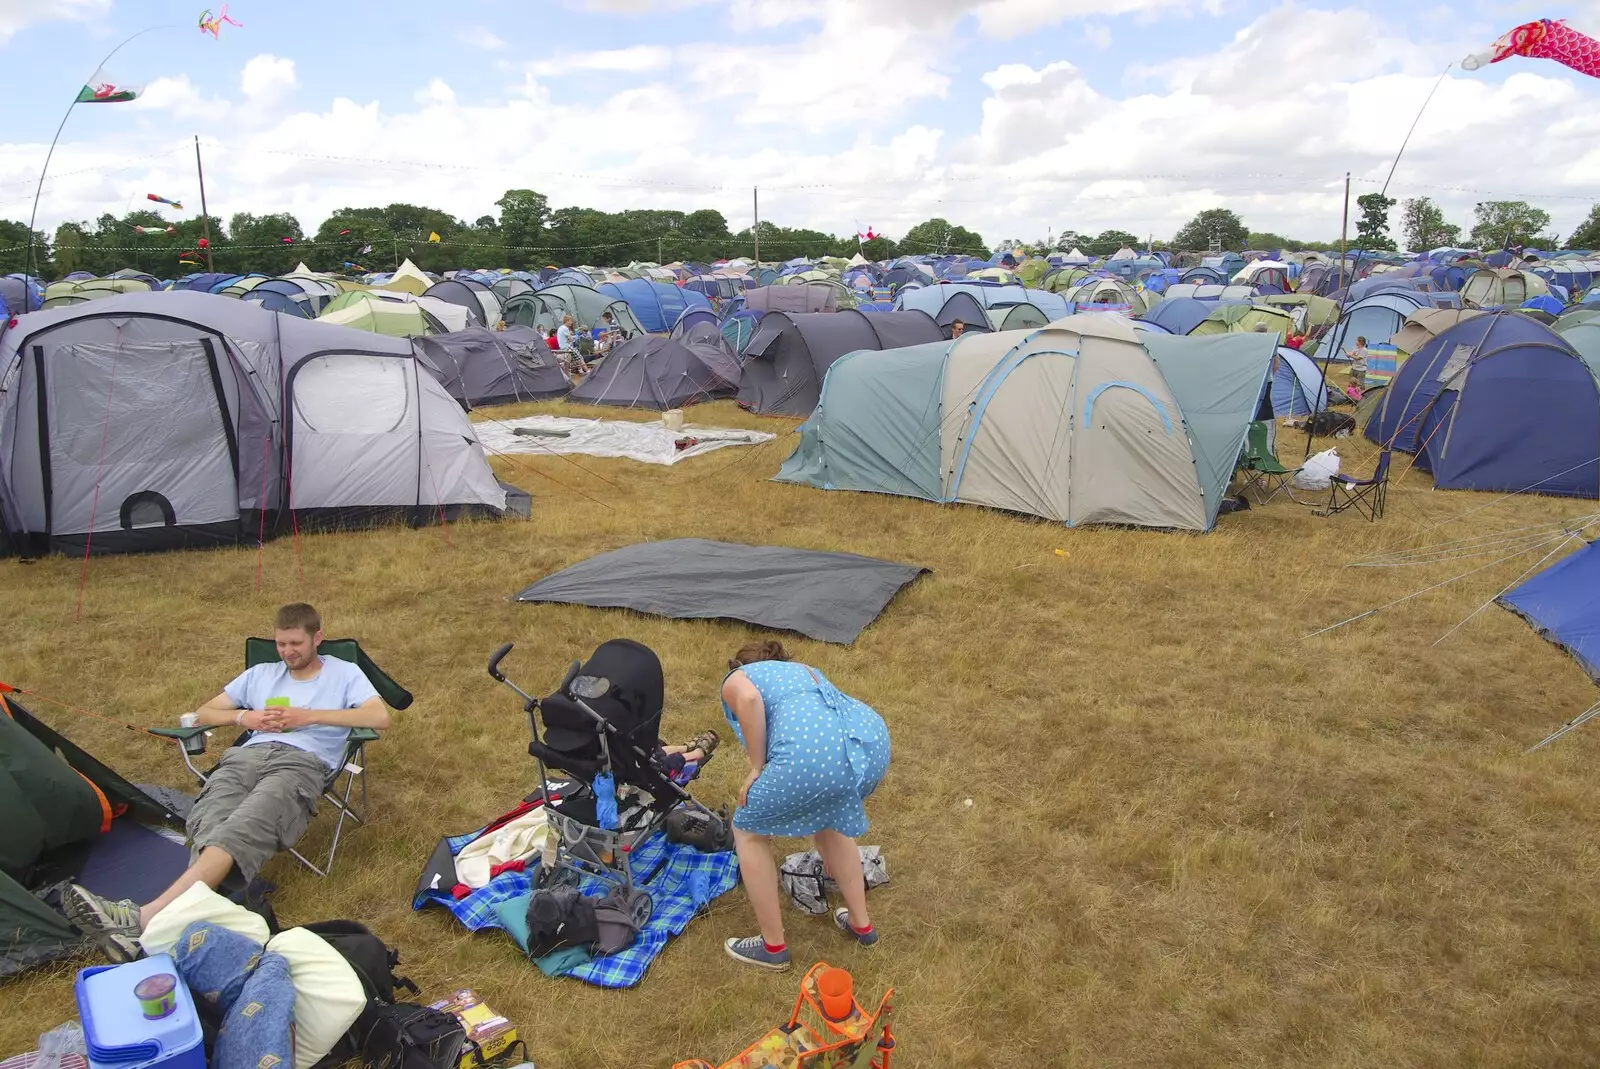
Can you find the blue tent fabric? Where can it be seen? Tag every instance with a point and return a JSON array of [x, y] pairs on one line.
[[1545, 303], [1497, 402], [1297, 386], [657, 305], [1562, 603], [1179, 315]]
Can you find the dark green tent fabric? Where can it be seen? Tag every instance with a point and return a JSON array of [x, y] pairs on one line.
[[46, 804], [31, 933]]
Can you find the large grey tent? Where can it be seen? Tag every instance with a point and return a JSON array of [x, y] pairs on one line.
[[584, 304], [788, 354], [160, 420], [830, 597], [1085, 421], [459, 293], [494, 367], [651, 371], [791, 299]]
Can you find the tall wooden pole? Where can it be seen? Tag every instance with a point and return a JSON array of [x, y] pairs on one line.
[[1344, 228], [205, 214], [755, 202]]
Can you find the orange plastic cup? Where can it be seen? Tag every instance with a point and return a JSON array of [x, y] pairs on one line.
[[834, 986]]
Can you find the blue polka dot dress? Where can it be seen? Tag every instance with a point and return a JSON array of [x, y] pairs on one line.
[[826, 752]]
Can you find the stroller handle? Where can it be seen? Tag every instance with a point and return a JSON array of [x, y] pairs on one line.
[[494, 662]]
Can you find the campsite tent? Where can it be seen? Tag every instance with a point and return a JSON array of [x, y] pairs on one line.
[[932, 299], [389, 314], [1297, 386], [57, 800], [1179, 315], [1084, 421], [494, 367], [1425, 324], [409, 278], [650, 371], [1560, 604], [791, 299], [1501, 287], [1374, 317], [225, 412], [1246, 318], [584, 304], [460, 294], [656, 305], [1497, 402], [788, 354]]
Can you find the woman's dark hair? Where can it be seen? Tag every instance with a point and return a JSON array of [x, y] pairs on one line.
[[770, 650]]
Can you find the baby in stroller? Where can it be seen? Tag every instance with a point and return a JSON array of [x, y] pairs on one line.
[[601, 727]]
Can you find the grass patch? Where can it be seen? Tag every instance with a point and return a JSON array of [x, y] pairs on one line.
[[1195, 839]]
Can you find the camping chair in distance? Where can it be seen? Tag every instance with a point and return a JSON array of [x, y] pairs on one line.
[[341, 782], [1366, 496], [1263, 473]]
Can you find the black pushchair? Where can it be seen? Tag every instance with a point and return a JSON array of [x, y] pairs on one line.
[[605, 718]]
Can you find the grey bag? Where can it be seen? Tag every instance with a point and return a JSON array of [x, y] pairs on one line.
[[802, 878], [619, 917]]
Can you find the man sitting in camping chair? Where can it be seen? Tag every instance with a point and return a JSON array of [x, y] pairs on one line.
[[262, 794]]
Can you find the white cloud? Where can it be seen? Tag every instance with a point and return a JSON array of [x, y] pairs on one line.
[[1097, 36], [831, 146], [480, 37], [634, 60], [19, 14], [267, 79]]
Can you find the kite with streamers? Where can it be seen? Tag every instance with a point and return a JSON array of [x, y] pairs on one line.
[[155, 230], [212, 24], [1545, 39], [163, 200]]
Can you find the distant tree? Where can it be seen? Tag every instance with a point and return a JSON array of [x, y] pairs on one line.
[[523, 216], [67, 251], [1108, 242], [1587, 236], [1498, 223], [1423, 226], [14, 249], [1068, 240], [1372, 230], [1218, 223], [255, 244], [486, 222], [939, 236]]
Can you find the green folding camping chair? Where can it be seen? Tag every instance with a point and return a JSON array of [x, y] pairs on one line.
[[342, 781], [1263, 473]]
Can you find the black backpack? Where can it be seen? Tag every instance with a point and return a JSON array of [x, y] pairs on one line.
[[379, 1034]]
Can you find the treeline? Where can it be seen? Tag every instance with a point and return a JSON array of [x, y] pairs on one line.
[[525, 234]]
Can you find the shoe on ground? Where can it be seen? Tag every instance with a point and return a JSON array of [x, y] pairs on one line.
[[114, 926], [841, 917], [753, 951]]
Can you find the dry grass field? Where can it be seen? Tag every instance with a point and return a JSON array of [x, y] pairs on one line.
[[1196, 839]]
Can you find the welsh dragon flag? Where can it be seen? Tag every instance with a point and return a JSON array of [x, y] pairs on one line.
[[103, 89]]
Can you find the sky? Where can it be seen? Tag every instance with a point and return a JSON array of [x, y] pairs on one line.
[[1015, 118]]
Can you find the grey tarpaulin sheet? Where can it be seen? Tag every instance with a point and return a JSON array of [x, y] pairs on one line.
[[830, 597]]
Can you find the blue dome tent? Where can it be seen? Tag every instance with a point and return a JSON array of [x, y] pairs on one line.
[[1497, 402], [657, 305], [1562, 603]]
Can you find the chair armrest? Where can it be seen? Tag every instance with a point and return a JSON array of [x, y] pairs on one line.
[[181, 734], [364, 735]]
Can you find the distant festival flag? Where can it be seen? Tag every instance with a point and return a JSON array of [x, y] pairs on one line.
[[365, 250], [103, 89], [433, 235], [163, 200], [286, 241]]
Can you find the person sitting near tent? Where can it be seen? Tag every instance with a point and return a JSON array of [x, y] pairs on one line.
[[549, 337], [263, 792], [957, 328], [815, 755]]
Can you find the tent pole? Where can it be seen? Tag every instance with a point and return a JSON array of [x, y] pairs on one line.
[[755, 202], [205, 213]]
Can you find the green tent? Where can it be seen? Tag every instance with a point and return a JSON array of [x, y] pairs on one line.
[[53, 795], [386, 315], [1244, 319]]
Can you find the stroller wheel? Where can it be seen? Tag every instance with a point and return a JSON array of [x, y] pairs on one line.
[[643, 906]]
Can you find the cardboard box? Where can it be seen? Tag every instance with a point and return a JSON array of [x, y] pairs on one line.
[[488, 1034]]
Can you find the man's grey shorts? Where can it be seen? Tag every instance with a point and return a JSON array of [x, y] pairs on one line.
[[257, 802]]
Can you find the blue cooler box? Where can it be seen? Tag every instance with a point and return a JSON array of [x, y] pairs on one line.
[[115, 1029]]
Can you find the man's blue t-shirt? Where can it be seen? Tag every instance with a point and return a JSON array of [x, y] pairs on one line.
[[339, 685]]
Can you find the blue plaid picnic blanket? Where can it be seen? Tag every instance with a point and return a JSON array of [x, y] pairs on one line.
[[680, 880]]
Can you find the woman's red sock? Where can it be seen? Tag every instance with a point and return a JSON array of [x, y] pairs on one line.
[[780, 948], [861, 931]]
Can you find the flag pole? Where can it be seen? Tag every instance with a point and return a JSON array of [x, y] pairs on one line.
[[205, 214], [39, 189]]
